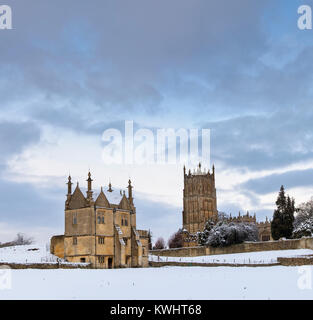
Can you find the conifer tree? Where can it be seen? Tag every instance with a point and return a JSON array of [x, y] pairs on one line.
[[283, 217]]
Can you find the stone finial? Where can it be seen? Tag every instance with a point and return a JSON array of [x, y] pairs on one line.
[[89, 186], [69, 186]]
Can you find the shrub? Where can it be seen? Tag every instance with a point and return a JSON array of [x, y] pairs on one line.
[[226, 234]]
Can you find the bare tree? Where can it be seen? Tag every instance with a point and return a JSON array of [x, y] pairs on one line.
[[160, 244], [303, 224], [22, 239], [176, 240]]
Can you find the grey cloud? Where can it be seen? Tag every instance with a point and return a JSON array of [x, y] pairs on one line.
[[14, 137], [272, 183], [120, 57], [25, 205], [264, 141]]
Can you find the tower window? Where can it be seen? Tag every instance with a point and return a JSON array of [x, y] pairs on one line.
[[74, 241]]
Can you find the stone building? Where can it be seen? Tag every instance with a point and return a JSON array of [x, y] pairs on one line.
[[101, 231], [264, 228], [200, 204]]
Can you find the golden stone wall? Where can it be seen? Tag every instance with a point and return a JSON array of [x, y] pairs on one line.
[[199, 202], [304, 243]]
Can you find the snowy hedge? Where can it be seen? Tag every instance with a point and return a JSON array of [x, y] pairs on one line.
[[225, 234]]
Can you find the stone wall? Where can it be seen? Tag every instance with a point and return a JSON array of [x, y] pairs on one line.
[[295, 261], [304, 243], [156, 264], [44, 266], [181, 252]]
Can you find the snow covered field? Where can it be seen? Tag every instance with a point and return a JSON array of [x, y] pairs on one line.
[[34, 253], [238, 258], [158, 283], [39, 253], [155, 283], [28, 254]]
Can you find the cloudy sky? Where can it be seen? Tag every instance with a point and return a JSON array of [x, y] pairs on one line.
[[71, 69]]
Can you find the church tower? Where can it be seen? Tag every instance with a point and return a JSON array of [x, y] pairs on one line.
[[199, 199]]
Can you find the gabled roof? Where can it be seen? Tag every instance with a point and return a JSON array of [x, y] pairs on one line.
[[77, 200], [102, 200], [124, 204], [113, 196]]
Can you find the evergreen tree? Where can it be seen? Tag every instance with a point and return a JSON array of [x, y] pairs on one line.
[[289, 217], [281, 200], [283, 217]]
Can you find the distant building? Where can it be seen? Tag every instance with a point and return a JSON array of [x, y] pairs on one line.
[[200, 204], [102, 231]]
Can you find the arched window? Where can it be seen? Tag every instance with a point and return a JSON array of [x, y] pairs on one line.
[[99, 219]]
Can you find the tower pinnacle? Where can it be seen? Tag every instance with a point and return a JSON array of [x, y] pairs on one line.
[[89, 184]]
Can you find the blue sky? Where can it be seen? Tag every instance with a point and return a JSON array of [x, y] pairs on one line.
[[68, 71]]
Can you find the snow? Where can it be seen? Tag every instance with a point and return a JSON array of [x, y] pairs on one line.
[[238, 258], [158, 283], [277, 282], [34, 253]]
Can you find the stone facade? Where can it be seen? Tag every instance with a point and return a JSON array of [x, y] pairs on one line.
[[264, 228], [199, 202], [101, 231]]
